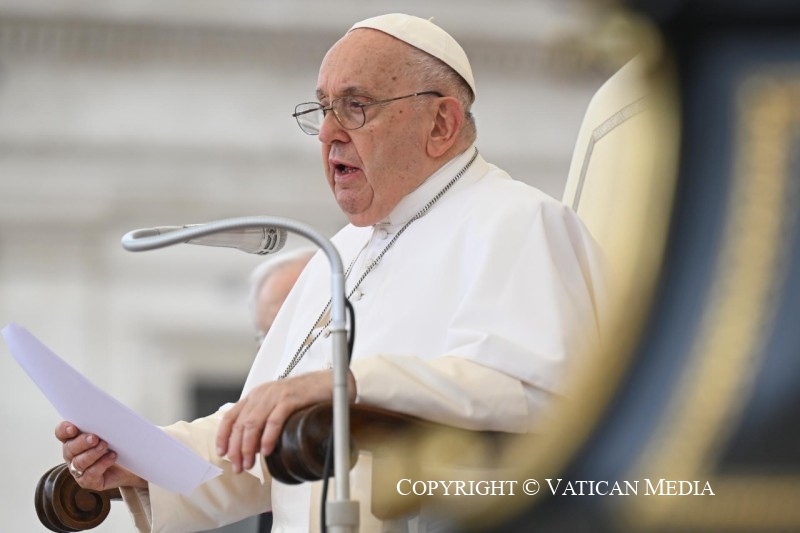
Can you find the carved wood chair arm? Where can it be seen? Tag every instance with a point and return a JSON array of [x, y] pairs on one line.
[[300, 453], [64, 506]]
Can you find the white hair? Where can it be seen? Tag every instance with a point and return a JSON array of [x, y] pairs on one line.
[[269, 267], [435, 74]]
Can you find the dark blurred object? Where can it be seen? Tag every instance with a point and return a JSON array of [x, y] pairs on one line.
[[711, 392]]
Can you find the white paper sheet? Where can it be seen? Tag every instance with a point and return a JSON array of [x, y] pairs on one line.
[[142, 447]]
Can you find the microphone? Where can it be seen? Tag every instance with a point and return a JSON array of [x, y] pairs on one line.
[[251, 240], [265, 235]]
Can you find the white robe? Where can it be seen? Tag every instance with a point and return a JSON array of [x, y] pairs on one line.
[[472, 318]]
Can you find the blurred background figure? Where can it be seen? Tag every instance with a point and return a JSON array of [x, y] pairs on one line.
[[270, 283]]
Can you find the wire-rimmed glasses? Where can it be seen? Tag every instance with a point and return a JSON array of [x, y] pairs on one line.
[[348, 110]]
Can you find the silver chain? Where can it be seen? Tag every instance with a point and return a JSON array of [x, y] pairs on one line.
[[305, 346]]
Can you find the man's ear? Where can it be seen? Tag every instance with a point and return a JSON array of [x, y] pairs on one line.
[[446, 126]]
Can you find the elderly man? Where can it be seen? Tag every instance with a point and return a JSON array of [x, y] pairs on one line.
[[473, 293], [271, 283]]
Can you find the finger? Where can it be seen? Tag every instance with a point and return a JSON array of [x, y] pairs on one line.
[[225, 429], [86, 459], [66, 431], [235, 447], [94, 476], [251, 440], [78, 445], [272, 429]]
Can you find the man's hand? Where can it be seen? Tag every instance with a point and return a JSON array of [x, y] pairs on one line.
[[91, 463], [255, 422]]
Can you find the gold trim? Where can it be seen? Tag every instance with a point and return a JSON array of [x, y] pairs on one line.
[[717, 382]]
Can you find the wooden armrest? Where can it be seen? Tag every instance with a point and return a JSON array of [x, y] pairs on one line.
[[64, 506], [399, 444], [300, 452]]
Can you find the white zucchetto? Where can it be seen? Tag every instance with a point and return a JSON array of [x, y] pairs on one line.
[[426, 36]]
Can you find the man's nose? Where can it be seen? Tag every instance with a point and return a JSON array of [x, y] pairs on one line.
[[331, 130]]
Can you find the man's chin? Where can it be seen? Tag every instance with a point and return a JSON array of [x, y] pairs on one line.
[[360, 218]]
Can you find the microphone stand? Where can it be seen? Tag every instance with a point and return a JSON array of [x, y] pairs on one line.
[[341, 512]]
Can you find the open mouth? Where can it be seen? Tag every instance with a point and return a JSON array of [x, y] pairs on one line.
[[343, 170]]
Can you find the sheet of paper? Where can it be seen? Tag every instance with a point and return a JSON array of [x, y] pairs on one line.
[[142, 447]]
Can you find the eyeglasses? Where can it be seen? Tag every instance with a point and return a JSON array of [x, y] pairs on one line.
[[348, 110]]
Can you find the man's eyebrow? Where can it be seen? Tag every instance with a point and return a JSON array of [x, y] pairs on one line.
[[352, 90]]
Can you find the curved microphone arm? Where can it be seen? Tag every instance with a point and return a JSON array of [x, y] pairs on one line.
[[342, 513]]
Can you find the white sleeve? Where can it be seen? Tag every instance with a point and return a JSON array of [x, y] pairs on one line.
[[448, 390]]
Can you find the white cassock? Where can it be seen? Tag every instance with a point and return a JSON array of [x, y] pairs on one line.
[[471, 318]]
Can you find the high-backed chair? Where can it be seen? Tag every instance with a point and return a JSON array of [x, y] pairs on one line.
[[622, 171]]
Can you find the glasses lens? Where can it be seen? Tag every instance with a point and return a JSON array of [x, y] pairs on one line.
[[309, 117], [350, 111]]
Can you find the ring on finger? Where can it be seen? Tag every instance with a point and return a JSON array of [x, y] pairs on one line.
[[74, 471]]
